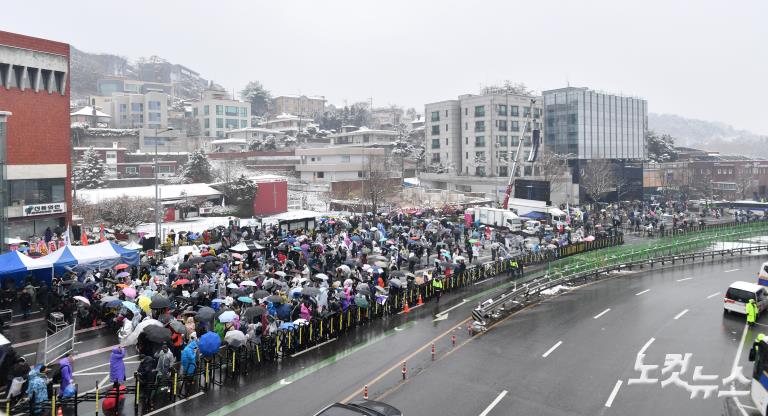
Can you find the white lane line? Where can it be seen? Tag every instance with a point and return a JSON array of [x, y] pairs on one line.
[[549, 351], [645, 347], [736, 360], [445, 312], [35, 341], [602, 313], [410, 308], [681, 314], [613, 393], [26, 322], [713, 295], [643, 292], [315, 347], [176, 403], [483, 281], [77, 373], [684, 279], [493, 403], [732, 270]]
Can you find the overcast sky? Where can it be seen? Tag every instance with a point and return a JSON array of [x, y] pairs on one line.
[[701, 59]]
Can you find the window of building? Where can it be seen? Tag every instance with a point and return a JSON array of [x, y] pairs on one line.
[[320, 175], [435, 116], [207, 123], [232, 123], [479, 126], [480, 141], [360, 174], [194, 112], [526, 111], [219, 123], [219, 110], [220, 133], [435, 143], [231, 110], [502, 125], [137, 107], [480, 156], [243, 124], [514, 111], [164, 169], [35, 191], [154, 117], [123, 108], [514, 125], [572, 119], [435, 130], [536, 112], [503, 171], [502, 109], [137, 119], [480, 170], [154, 105], [111, 157], [435, 157], [366, 138], [502, 141], [446, 127], [466, 125], [466, 140], [131, 170], [446, 113], [243, 112], [514, 140], [465, 110], [206, 110], [527, 170], [479, 111], [345, 158]]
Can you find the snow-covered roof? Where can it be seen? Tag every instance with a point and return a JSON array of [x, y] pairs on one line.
[[229, 141], [285, 116], [366, 130], [88, 111], [255, 129], [166, 192], [294, 215]]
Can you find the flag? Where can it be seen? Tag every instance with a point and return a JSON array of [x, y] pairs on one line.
[[84, 237], [67, 237], [101, 233]]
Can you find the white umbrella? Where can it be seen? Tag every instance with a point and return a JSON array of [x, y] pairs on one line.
[[134, 336], [247, 283], [233, 286], [82, 299], [322, 276]]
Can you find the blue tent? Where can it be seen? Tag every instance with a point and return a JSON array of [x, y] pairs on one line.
[[16, 266], [535, 215]]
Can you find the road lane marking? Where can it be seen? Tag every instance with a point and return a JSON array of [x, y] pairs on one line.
[[681, 314], [493, 403], [684, 279], [483, 281], [411, 308], [21, 314], [613, 393], [35, 341], [736, 360], [643, 292], [732, 270], [315, 347], [645, 347], [26, 322], [602, 313], [445, 312], [176, 403], [713, 295], [549, 351]]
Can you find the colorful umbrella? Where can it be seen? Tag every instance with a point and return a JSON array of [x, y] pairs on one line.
[[129, 292], [144, 303], [181, 282], [123, 274], [131, 306], [245, 299], [121, 266], [82, 299], [227, 316]]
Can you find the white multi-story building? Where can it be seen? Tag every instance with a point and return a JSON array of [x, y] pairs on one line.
[[364, 136], [254, 133], [217, 113], [339, 163], [139, 111], [287, 123], [478, 135]]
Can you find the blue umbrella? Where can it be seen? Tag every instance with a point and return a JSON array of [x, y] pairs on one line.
[[218, 301], [355, 238], [131, 306], [209, 343], [227, 316], [290, 240], [114, 303], [287, 325], [245, 299]]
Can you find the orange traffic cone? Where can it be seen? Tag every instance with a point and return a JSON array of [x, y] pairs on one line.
[[420, 302], [406, 309], [59, 412]]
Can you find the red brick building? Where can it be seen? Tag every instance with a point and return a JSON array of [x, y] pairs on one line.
[[34, 131]]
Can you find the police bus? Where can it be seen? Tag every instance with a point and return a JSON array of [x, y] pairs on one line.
[[759, 389]]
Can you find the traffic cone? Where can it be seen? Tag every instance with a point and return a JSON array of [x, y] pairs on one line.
[[420, 301], [365, 392], [406, 309], [59, 412]]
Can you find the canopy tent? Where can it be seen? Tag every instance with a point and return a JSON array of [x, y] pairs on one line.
[[133, 246], [535, 215], [102, 255], [245, 246]]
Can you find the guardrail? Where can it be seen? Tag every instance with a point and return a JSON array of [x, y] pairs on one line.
[[534, 287]]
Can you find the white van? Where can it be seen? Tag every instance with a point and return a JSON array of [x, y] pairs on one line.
[[739, 293]]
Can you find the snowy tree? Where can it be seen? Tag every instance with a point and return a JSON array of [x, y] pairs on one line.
[[126, 213], [258, 96], [198, 168], [509, 87], [600, 177], [661, 148], [89, 172], [240, 193]]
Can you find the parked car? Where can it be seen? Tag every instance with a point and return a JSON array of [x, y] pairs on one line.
[[739, 294], [360, 408]]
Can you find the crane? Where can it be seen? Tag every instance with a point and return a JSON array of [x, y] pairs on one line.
[[535, 139]]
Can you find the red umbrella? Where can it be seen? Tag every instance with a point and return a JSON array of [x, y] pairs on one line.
[[121, 266], [181, 282]]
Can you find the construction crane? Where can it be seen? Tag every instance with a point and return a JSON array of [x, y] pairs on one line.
[[535, 140]]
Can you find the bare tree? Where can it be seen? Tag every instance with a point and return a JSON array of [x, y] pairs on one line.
[[746, 180], [125, 213], [553, 168], [597, 178], [376, 184]]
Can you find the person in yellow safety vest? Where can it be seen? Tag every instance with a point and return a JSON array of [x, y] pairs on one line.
[[751, 312], [754, 354], [437, 285]]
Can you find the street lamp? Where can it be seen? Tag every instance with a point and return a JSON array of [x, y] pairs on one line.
[[157, 190]]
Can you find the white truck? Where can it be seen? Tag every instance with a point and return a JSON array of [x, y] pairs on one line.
[[497, 217], [525, 206]]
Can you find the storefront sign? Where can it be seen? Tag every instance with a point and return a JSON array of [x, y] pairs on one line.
[[45, 209]]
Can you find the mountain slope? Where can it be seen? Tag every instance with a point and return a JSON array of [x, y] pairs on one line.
[[708, 135]]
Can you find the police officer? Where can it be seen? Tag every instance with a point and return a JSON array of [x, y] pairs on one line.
[[751, 313], [437, 286]]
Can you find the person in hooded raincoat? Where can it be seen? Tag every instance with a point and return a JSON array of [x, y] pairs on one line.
[[37, 386], [188, 358], [117, 365], [65, 365], [751, 312]]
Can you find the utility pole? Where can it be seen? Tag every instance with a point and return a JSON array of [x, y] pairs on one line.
[[157, 190]]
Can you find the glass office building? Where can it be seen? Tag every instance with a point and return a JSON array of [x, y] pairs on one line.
[[593, 125]]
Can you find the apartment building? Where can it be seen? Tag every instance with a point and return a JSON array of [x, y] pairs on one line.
[[339, 163], [217, 113], [139, 111], [298, 104], [364, 136]]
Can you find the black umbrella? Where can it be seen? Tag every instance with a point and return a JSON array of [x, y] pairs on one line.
[[205, 313], [363, 289], [196, 259], [205, 289], [157, 334], [178, 327], [397, 273], [185, 265], [76, 285], [253, 312], [310, 291], [160, 302], [275, 299], [260, 294]]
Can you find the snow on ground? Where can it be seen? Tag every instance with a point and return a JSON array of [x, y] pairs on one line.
[[196, 224], [554, 290], [166, 192]]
